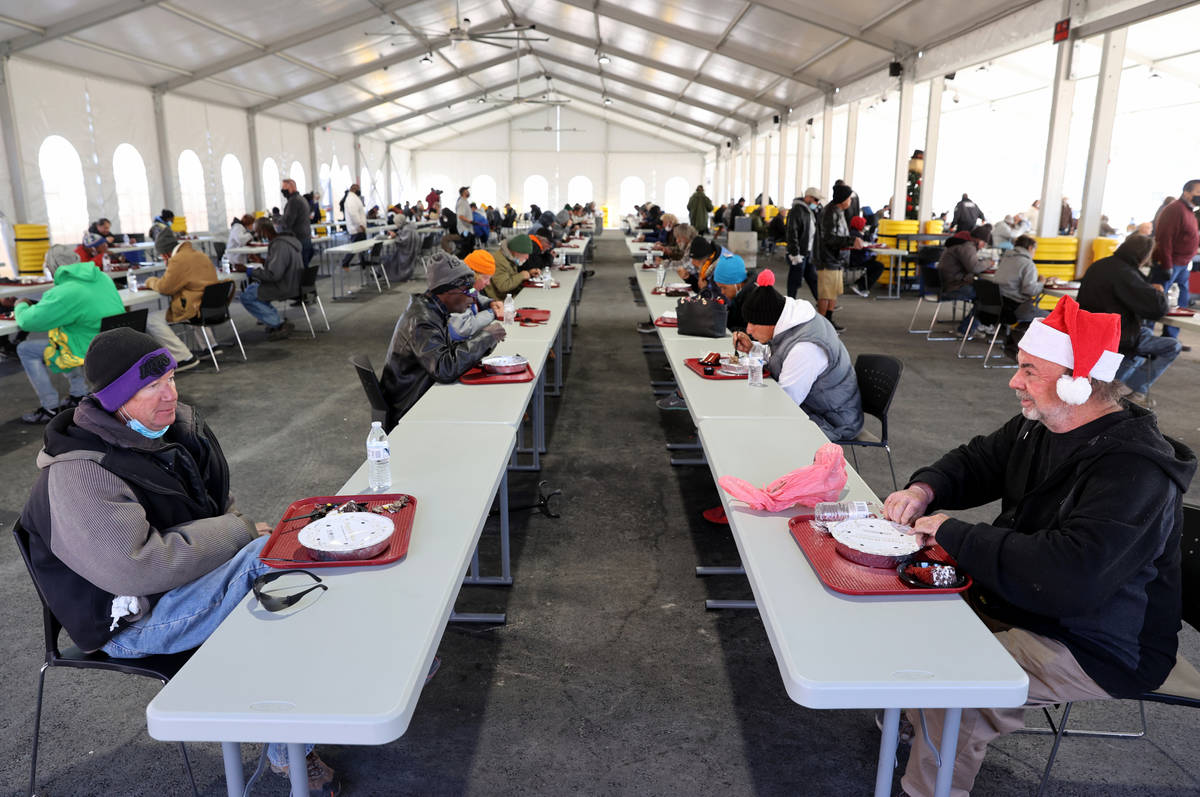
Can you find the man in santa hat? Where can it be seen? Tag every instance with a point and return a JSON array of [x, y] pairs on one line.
[[1079, 575]]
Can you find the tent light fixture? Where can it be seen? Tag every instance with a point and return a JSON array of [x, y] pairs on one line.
[[427, 59], [602, 59], [608, 100]]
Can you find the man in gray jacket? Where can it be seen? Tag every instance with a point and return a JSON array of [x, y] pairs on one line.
[[278, 279], [133, 534], [1017, 276], [296, 219]]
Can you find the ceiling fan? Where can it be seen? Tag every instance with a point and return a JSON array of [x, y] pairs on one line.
[[544, 98], [460, 31], [551, 128]]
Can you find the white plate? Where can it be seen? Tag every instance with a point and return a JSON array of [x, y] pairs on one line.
[[342, 534], [874, 536], [501, 360]]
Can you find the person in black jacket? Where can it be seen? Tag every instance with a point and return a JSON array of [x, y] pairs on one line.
[[423, 351], [1079, 574], [1114, 285], [833, 251], [802, 242]]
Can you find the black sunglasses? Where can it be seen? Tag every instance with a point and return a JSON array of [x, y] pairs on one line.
[[275, 603]]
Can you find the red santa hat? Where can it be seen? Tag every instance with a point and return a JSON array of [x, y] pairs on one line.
[[1084, 343]]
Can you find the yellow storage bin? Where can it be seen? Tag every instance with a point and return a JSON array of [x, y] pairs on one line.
[[1103, 247], [887, 232], [934, 226], [179, 224], [604, 210], [32, 242]]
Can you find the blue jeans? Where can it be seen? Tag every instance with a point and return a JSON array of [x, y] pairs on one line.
[[30, 354], [261, 310], [186, 616], [965, 293], [1179, 276], [1152, 354]]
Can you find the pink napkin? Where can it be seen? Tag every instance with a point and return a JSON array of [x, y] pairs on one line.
[[821, 481]]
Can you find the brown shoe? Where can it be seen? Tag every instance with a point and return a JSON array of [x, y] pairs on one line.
[[322, 781]]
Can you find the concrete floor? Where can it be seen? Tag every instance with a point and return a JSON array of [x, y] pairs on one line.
[[610, 678]]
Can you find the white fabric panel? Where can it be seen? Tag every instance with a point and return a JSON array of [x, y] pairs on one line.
[[95, 115], [402, 163], [285, 141], [332, 143], [431, 167], [211, 131], [490, 137]]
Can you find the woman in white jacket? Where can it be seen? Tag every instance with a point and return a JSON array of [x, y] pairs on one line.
[[356, 220]]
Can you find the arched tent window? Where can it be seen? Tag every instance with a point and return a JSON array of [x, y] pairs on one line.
[[133, 192], [270, 178], [364, 185], [296, 172], [536, 192], [483, 190], [62, 183], [191, 190], [233, 185], [324, 186], [633, 192], [675, 197], [579, 190]]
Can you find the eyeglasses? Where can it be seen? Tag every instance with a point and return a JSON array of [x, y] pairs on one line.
[[276, 603]]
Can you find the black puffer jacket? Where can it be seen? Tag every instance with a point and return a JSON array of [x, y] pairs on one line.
[[1114, 285], [800, 221], [424, 353]]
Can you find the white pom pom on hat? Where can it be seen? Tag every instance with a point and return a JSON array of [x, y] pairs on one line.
[[1084, 343]]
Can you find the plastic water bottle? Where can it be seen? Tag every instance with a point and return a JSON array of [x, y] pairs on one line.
[[833, 511], [660, 275], [379, 467], [510, 310], [755, 376], [107, 261], [131, 281], [1173, 297], [547, 281]]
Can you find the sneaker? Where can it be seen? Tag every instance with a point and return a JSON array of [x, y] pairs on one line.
[[70, 403], [288, 325], [836, 326], [188, 364], [278, 333], [322, 781], [1185, 348], [987, 329], [1142, 400], [39, 416], [673, 401], [646, 327], [859, 291], [589, 272], [906, 727]]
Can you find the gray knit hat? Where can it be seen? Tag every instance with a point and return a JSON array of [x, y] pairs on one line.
[[447, 272]]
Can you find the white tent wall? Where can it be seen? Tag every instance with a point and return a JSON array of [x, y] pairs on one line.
[[374, 159], [402, 164], [334, 144], [602, 151], [95, 115], [286, 142], [211, 131]]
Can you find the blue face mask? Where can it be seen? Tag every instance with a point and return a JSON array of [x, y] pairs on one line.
[[140, 428]]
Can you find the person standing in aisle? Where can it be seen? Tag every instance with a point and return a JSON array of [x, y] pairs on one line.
[[834, 251], [466, 222], [296, 218], [801, 242], [1176, 239], [699, 206], [356, 220]]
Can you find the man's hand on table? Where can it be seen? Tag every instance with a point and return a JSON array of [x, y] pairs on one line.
[[683, 272], [926, 528], [742, 342], [534, 272], [497, 309], [905, 506]]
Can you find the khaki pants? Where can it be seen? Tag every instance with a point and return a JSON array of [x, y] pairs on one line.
[[1054, 677], [157, 328], [829, 283]]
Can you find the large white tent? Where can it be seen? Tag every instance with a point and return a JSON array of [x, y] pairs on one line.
[[200, 108]]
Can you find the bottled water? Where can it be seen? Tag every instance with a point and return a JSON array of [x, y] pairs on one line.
[[755, 377], [1173, 297], [379, 467], [131, 281], [547, 281], [107, 261], [833, 511], [510, 310], [660, 275]]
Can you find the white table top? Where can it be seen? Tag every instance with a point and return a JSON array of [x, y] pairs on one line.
[[130, 299], [358, 246], [135, 247], [839, 651], [265, 677], [249, 249]]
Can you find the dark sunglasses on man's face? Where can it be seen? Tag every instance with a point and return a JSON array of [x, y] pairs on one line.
[[275, 603]]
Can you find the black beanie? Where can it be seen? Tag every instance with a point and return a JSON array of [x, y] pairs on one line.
[[113, 353], [763, 305], [701, 249], [841, 193]]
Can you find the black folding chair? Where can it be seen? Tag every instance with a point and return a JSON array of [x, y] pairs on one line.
[[931, 288], [308, 293], [161, 668], [380, 411], [373, 262], [878, 377], [134, 319], [1182, 687], [989, 309], [214, 310]]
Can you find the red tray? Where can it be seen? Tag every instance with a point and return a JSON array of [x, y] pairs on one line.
[[694, 364], [663, 322], [535, 314], [650, 267], [538, 285], [285, 542], [841, 575], [1182, 312], [478, 376]]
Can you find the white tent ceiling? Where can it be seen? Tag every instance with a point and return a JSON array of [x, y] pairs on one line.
[[705, 69]]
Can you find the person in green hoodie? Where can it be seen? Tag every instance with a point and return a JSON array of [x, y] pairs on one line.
[[70, 313]]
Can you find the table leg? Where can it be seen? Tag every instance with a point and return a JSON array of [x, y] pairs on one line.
[[298, 770], [893, 291], [505, 550], [949, 747], [235, 778], [887, 752], [539, 421]]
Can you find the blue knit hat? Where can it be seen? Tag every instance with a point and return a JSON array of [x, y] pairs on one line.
[[730, 269]]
